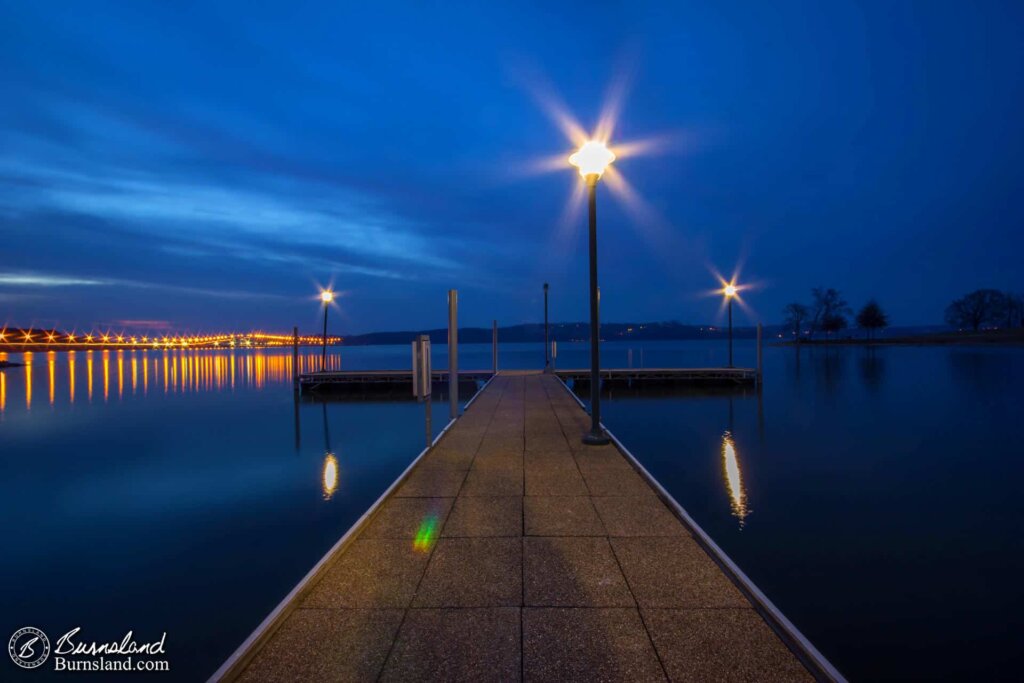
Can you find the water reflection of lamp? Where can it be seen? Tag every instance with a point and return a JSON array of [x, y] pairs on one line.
[[330, 475], [733, 478], [330, 470]]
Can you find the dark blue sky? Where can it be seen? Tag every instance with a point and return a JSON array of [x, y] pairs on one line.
[[209, 164]]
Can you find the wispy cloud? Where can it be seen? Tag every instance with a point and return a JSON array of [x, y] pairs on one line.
[[342, 222], [28, 280], [43, 280]]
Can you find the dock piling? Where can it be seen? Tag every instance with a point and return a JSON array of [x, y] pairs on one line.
[[421, 374], [295, 358], [760, 353], [494, 347], [547, 357], [453, 353]]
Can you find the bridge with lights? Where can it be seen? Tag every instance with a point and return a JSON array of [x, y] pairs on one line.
[[36, 339]]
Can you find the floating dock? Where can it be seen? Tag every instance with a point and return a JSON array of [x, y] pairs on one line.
[[357, 381], [507, 551], [664, 376]]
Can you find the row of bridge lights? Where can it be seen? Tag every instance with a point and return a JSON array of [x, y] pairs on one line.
[[52, 338]]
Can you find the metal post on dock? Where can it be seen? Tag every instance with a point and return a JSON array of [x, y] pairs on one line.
[[596, 435], [547, 356], [760, 354], [494, 348], [295, 357], [453, 353]]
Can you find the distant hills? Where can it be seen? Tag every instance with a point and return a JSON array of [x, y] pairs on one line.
[[564, 332]]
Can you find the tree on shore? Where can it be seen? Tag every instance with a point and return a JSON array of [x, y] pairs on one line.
[[872, 318], [833, 323], [980, 307], [796, 314], [1014, 310], [828, 310]]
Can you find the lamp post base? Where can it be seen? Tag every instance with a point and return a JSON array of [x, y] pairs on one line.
[[599, 439]]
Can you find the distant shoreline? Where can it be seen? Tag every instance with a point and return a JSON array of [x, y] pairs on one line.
[[1013, 337]]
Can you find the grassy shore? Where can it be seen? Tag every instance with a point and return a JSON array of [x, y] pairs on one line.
[[1005, 337]]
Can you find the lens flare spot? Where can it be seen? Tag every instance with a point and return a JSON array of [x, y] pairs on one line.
[[425, 534]]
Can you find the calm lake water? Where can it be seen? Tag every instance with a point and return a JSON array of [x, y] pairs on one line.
[[872, 494]]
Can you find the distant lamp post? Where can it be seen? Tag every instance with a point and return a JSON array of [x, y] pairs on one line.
[[547, 348], [326, 296], [730, 291], [592, 159]]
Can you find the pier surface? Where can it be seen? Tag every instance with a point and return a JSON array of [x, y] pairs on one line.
[[511, 552]]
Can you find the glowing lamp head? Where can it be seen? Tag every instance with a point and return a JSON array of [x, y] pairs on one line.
[[327, 296], [730, 290], [592, 158]]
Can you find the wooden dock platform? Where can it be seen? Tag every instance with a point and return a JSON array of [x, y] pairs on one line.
[[510, 551]]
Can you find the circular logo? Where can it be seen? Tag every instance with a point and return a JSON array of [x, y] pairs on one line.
[[29, 647]]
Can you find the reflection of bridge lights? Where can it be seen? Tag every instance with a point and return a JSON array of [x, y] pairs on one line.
[[330, 476], [734, 478]]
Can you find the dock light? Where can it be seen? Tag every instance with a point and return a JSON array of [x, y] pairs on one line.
[[326, 296], [730, 290], [592, 159]]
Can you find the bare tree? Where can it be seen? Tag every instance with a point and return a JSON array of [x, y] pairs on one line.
[[828, 310], [833, 323], [796, 314], [980, 307], [871, 318], [1014, 309]]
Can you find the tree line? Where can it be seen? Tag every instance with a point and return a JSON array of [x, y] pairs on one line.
[[829, 312], [986, 308]]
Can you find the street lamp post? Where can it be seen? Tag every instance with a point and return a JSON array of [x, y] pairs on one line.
[[591, 160], [547, 348], [730, 294], [326, 296]]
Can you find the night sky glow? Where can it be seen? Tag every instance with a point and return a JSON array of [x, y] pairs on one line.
[[213, 165]]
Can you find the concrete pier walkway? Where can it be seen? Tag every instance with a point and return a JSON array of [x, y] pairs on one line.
[[513, 552]]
